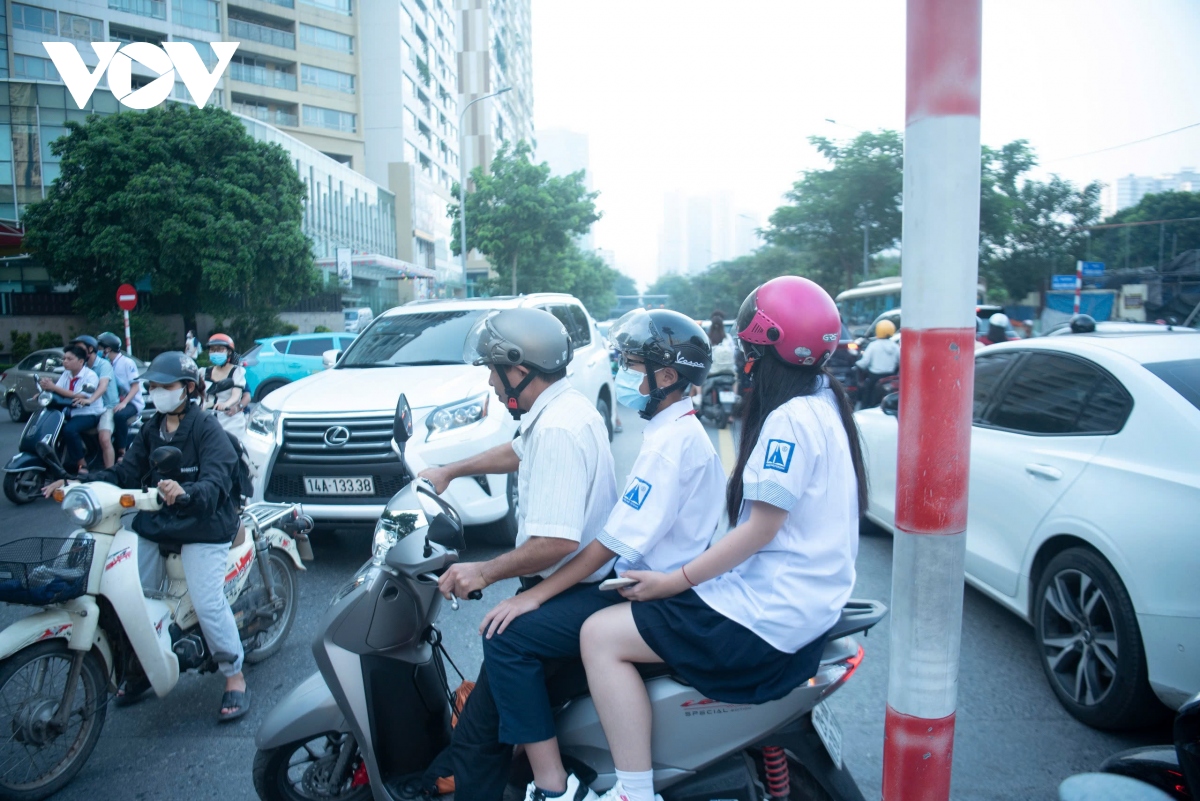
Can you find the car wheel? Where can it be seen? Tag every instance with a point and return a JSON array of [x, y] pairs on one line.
[[267, 387], [1090, 642], [16, 411], [605, 410], [504, 531]]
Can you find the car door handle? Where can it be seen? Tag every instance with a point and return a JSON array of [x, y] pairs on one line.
[[1044, 471]]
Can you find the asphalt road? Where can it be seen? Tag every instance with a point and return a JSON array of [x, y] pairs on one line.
[[1013, 738]]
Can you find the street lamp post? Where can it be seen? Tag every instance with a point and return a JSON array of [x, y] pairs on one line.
[[462, 179]]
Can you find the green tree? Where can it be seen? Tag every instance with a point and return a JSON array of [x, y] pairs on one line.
[[828, 209], [1142, 245], [183, 196], [523, 219], [624, 285], [681, 295], [590, 280]]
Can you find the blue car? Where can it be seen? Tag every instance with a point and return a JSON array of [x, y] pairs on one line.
[[277, 361]]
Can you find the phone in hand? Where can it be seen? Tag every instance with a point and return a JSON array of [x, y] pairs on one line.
[[617, 583]]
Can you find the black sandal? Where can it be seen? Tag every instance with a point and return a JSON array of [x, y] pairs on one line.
[[238, 701], [132, 691]]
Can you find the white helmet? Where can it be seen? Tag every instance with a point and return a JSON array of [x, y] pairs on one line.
[[999, 320]]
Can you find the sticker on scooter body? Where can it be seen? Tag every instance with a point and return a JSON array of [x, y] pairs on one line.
[[829, 731]]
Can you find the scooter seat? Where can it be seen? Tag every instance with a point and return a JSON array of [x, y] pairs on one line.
[[567, 680]]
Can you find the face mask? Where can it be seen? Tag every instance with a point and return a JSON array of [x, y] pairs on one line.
[[217, 358], [167, 400], [629, 391]]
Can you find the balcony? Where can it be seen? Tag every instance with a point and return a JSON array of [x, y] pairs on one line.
[[282, 3], [262, 76], [155, 9], [240, 29], [272, 116]]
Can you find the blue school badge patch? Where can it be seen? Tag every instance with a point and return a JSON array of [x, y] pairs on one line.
[[637, 492], [779, 455]]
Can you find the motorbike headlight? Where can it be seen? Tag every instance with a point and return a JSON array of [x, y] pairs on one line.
[[394, 526], [263, 421], [453, 416], [82, 507], [45, 399]]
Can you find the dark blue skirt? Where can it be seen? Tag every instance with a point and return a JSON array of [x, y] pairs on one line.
[[719, 657]]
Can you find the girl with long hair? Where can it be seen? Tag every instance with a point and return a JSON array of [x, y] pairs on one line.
[[745, 621]]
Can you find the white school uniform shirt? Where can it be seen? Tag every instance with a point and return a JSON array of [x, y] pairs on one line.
[[75, 383], [673, 499], [793, 589], [127, 374], [566, 481], [882, 357]]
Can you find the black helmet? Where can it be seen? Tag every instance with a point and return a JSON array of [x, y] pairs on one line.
[[519, 337], [664, 338], [171, 366], [109, 340], [1083, 324], [84, 339]]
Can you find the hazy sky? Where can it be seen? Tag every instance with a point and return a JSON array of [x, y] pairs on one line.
[[702, 95]]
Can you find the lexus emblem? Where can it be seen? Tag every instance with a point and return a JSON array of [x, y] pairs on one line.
[[337, 436]]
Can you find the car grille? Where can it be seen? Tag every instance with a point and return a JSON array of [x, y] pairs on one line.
[[292, 486], [305, 441]]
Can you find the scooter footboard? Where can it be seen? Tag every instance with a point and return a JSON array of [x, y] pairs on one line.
[[305, 713]]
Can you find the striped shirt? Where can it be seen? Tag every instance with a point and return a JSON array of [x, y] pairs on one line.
[[566, 481]]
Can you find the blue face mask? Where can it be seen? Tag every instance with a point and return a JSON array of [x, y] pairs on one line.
[[218, 358], [629, 392]]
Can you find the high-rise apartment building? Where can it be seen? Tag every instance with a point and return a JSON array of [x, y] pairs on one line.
[[700, 230], [495, 52], [567, 152], [1132, 188]]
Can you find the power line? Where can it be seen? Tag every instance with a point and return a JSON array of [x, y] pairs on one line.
[[1127, 144]]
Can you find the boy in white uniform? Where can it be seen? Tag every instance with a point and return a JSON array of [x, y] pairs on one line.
[[667, 514]]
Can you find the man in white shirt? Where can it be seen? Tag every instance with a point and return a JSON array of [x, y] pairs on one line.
[[79, 383], [130, 402], [881, 358], [567, 487]]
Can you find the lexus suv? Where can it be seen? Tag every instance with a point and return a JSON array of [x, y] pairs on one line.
[[326, 440]]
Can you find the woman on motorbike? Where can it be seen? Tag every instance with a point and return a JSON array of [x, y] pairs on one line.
[[745, 621], [198, 513], [225, 383]]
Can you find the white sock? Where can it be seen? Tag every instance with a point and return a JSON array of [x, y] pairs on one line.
[[638, 786]]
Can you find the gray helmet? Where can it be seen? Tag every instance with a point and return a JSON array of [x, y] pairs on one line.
[[171, 366], [109, 340], [85, 339], [513, 337]]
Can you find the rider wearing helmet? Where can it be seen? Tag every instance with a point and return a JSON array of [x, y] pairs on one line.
[[106, 391], [198, 513], [129, 389], [997, 331], [745, 621], [661, 339], [225, 384], [880, 359], [567, 487], [1083, 324]]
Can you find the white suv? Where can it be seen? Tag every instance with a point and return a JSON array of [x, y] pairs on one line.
[[325, 440]]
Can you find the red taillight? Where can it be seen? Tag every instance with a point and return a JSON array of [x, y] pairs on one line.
[[853, 662]]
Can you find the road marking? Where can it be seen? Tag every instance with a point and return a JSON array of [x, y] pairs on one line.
[[728, 454]]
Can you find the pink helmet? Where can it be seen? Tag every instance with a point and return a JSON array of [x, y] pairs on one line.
[[794, 316]]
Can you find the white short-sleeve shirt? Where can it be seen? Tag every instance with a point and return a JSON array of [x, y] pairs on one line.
[[792, 590], [566, 481], [76, 383], [673, 499]]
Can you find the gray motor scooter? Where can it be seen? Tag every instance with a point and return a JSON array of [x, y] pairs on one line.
[[373, 718]]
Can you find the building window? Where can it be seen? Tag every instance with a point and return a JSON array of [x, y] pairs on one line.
[[277, 37], [410, 87], [155, 9], [410, 119], [202, 14], [327, 79], [410, 152], [34, 68], [406, 20], [332, 119], [323, 37], [127, 36], [28, 18], [264, 73], [86, 29], [203, 49], [340, 6]]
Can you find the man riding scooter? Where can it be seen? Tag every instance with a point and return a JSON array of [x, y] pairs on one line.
[[88, 404], [200, 516], [880, 360]]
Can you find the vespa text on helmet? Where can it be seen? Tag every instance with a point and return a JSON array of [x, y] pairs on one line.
[[178, 57]]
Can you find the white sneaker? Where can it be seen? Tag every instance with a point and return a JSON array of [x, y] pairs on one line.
[[617, 793], [576, 791]]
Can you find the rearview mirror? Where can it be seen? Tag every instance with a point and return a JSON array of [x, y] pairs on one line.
[[166, 460], [447, 533], [329, 358], [402, 427], [891, 404]]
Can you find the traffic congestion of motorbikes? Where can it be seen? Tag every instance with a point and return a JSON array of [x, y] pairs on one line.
[[384, 699]]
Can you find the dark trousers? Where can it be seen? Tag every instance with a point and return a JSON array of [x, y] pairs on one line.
[[121, 426], [73, 431]]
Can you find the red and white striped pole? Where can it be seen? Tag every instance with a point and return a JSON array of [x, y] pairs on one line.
[[940, 254], [1078, 284]]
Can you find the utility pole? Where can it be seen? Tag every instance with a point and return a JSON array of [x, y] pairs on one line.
[[462, 183]]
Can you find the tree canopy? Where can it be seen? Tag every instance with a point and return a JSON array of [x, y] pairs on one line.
[[180, 195], [1142, 245]]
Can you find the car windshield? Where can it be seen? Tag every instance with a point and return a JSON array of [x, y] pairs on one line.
[[1183, 376], [422, 338]]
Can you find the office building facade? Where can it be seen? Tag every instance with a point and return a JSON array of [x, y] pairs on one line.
[[1132, 188]]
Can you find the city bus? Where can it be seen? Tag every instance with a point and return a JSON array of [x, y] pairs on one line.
[[862, 305]]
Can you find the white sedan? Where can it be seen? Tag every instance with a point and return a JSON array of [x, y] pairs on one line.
[[1084, 502]]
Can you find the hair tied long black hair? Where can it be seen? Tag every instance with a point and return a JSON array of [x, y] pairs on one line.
[[776, 382]]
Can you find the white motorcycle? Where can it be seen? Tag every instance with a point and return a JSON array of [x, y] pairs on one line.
[[99, 630]]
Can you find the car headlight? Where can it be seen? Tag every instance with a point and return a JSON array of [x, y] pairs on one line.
[[263, 421], [82, 507], [453, 416]]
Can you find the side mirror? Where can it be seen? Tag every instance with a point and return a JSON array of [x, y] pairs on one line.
[[891, 404], [445, 532], [166, 460], [329, 358], [402, 427]]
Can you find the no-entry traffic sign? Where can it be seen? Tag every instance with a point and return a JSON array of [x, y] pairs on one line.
[[126, 297]]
